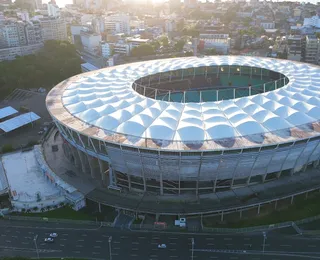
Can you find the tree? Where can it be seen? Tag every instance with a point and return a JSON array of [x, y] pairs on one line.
[[164, 41], [179, 45], [56, 62], [142, 50], [212, 51]]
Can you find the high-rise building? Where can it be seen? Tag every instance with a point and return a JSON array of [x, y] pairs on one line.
[[312, 48], [53, 9], [118, 23], [19, 33], [54, 29], [294, 47]]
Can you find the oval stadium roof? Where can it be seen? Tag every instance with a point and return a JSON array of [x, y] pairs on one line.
[[103, 104]]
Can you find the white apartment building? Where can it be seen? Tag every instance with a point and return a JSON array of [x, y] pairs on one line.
[[90, 41], [105, 49], [213, 35], [294, 47], [54, 29], [135, 42], [12, 53], [118, 23], [312, 49], [19, 33], [169, 26], [24, 16], [220, 45], [267, 25], [122, 48], [53, 10]]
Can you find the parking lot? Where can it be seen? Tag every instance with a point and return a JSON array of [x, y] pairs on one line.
[[23, 101]]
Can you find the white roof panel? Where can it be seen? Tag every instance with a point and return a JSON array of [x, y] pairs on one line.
[[18, 121], [7, 111]]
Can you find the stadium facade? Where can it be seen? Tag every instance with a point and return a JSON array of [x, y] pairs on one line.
[[191, 125]]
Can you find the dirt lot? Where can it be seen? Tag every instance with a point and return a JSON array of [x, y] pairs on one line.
[[34, 102]]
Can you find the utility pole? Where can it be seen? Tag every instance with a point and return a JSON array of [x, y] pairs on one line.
[[264, 240], [35, 242], [192, 243], [110, 255]]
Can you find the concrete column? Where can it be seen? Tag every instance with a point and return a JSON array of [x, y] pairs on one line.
[[77, 162], [275, 204], [240, 214], [82, 161], [161, 184], [259, 209], [157, 217], [292, 200], [278, 174], [111, 181], [102, 169], [91, 166], [129, 181], [221, 216], [144, 184], [99, 207]]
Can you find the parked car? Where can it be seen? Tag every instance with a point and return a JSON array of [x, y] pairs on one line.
[[48, 240], [162, 246], [53, 235]]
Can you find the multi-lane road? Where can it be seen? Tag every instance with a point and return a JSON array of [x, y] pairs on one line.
[[17, 238]]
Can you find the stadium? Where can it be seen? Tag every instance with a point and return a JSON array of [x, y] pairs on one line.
[[195, 125]]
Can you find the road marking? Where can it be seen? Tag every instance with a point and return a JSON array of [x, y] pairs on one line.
[[17, 231], [28, 237], [3, 235], [63, 239], [229, 244], [174, 256], [135, 243], [209, 238], [97, 246], [42, 244], [213, 257], [79, 246], [133, 255], [116, 248], [99, 241], [30, 233], [227, 238], [25, 243], [80, 240], [154, 249], [8, 241], [154, 243], [65, 234], [311, 245], [123, 237], [134, 249], [155, 238], [173, 238], [84, 235], [172, 243], [114, 254], [15, 236], [141, 237], [77, 252], [172, 249], [61, 245], [105, 236], [154, 256], [286, 245], [95, 253], [210, 244], [116, 242]]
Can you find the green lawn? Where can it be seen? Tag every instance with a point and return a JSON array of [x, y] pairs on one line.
[[299, 210], [61, 213]]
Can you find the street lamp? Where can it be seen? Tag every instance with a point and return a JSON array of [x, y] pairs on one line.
[[35, 242], [110, 239], [192, 243], [264, 240]]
